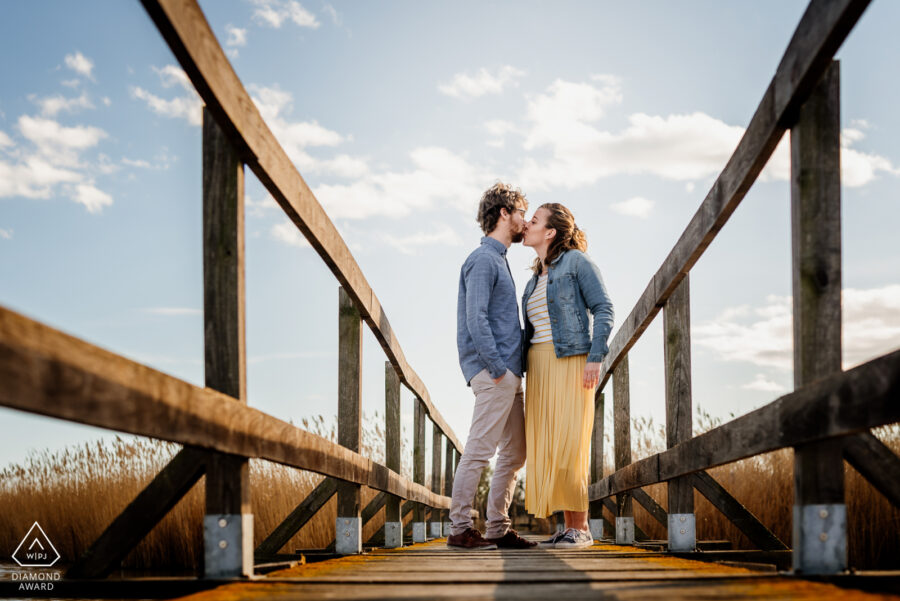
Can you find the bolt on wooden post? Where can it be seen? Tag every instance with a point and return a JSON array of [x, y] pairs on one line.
[[596, 507], [622, 444], [348, 526], [418, 530], [820, 513], [228, 522], [434, 522], [679, 425], [393, 522]]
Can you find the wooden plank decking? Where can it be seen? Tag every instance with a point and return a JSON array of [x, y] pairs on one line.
[[431, 571]]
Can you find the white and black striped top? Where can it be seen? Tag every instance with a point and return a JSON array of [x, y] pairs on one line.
[[536, 309]]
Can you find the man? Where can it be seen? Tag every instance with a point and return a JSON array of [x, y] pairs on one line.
[[489, 339]]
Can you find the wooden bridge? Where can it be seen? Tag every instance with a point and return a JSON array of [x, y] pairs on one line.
[[827, 419]]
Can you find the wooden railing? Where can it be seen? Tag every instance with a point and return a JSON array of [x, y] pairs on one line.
[[828, 416], [47, 372]]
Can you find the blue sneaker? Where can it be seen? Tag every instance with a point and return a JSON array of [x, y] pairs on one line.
[[551, 542], [575, 539]]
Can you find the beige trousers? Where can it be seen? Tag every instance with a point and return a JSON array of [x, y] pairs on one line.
[[498, 426]]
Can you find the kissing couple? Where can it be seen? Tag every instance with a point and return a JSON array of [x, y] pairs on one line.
[[568, 318]]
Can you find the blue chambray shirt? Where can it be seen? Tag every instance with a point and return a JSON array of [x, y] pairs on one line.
[[488, 331]]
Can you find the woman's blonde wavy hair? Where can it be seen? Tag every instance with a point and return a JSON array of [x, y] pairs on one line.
[[568, 236]]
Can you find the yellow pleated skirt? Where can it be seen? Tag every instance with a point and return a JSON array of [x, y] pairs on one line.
[[559, 420]]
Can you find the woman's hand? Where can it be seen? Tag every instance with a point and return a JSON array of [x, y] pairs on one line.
[[591, 374]]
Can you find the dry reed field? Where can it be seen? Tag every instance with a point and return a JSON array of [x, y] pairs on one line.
[[76, 493], [764, 485]]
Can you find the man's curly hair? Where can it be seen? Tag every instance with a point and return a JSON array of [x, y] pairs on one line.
[[499, 196]]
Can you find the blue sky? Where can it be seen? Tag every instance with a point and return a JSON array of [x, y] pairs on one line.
[[398, 116]]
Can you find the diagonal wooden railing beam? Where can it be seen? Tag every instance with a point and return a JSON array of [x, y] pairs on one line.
[[47, 372], [846, 403], [821, 31], [189, 36], [876, 462]]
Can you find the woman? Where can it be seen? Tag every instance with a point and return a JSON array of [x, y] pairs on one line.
[[563, 367]]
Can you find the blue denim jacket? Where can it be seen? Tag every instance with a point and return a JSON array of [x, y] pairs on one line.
[[488, 331], [575, 292]]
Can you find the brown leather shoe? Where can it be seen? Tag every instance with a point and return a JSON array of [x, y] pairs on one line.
[[512, 540], [470, 540]]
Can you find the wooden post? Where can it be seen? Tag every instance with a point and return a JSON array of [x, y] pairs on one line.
[[449, 468], [228, 522], [435, 514], [679, 425], [348, 527], [393, 524], [820, 515], [622, 444], [596, 507], [418, 469]]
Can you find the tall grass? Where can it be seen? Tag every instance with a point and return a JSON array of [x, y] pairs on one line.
[[75, 493], [764, 485]]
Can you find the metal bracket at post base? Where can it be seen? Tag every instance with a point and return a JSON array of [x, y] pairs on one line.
[[624, 531], [435, 529], [393, 535], [348, 536], [682, 532], [418, 532], [596, 526], [228, 545], [820, 538]]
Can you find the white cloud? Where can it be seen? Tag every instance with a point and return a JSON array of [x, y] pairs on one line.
[[679, 147], [261, 207], [33, 177], [91, 197], [871, 322], [274, 13], [857, 168], [173, 311], [71, 83], [295, 137], [333, 14], [467, 86], [761, 383], [408, 244], [52, 105], [140, 163], [6, 234], [765, 341], [80, 64], [637, 206], [58, 143], [183, 107], [52, 165], [566, 121], [499, 128], [288, 233], [187, 106], [236, 36], [438, 177], [763, 335]]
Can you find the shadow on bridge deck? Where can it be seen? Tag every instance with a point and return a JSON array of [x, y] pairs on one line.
[[432, 571]]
